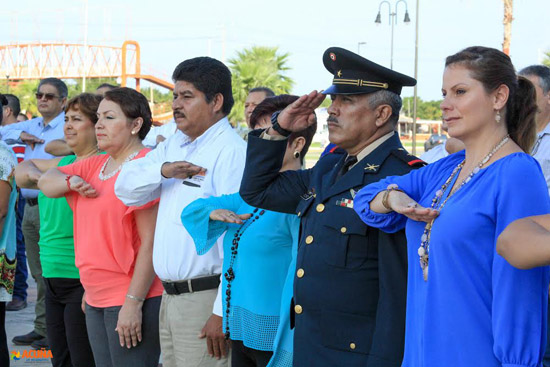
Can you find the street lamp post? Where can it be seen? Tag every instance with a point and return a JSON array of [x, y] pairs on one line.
[[393, 20]]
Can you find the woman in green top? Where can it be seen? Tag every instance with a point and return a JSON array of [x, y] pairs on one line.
[[65, 320]]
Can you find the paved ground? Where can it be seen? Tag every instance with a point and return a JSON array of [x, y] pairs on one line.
[[21, 322]]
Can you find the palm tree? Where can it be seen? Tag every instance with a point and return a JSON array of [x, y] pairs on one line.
[[507, 21], [257, 67]]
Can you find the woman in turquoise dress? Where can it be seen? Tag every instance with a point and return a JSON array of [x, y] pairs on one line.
[[466, 305], [259, 258]]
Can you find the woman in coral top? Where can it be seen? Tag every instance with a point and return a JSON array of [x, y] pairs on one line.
[[113, 242]]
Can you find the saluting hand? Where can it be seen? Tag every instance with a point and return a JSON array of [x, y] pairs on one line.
[[299, 115], [227, 216], [77, 183], [181, 169], [403, 204]]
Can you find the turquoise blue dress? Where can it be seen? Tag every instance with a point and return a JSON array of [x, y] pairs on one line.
[[264, 266], [475, 309]]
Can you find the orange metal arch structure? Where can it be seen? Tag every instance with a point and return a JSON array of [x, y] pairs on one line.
[[75, 61]]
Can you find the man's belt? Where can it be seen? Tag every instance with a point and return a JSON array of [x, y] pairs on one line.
[[32, 201], [192, 285]]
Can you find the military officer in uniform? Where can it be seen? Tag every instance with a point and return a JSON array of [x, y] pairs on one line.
[[350, 284]]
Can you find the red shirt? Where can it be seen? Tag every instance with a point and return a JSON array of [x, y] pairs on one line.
[[106, 236]]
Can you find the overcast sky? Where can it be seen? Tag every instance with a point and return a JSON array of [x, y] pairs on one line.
[[173, 30]]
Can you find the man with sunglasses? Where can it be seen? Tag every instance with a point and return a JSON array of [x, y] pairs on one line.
[[36, 133]]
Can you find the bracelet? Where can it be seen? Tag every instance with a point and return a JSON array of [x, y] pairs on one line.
[[390, 188], [68, 181], [139, 299]]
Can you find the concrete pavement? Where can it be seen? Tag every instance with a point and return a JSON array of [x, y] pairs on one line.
[[21, 322]]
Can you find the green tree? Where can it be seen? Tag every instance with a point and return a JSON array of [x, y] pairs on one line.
[[26, 89], [425, 110], [257, 67], [546, 60]]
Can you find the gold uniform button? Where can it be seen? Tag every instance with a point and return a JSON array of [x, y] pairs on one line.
[[351, 346], [299, 213], [320, 208], [343, 229], [309, 239], [298, 309], [300, 273]]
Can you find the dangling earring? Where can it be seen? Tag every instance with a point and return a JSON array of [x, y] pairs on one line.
[[296, 154], [497, 117]]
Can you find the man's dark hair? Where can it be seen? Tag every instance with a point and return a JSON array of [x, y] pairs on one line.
[[209, 76], [268, 92], [107, 85], [133, 104], [13, 104], [58, 84], [3, 102], [543, 72]]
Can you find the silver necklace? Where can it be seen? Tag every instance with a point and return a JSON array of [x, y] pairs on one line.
[[104, 177], [424, 249]]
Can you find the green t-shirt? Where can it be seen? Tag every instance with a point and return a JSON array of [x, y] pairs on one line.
[[56, 234]]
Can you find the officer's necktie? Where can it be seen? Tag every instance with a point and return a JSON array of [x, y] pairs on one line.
[[348, 162]]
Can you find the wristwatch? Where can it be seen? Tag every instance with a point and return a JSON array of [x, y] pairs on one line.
[[275, 125]]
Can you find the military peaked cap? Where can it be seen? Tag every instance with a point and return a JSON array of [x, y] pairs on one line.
[[354, 74]]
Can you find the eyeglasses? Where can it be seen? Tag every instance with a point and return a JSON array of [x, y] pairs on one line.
[[48, 96]]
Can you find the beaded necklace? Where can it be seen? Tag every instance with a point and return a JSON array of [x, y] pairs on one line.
[[230, 273], [424, 249], [104, 177]]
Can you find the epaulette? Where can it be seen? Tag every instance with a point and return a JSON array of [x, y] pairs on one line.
[[337, 150], [410, 159]]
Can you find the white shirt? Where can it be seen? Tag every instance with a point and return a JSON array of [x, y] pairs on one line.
[[541, 152], [435, 154], [223, 153]]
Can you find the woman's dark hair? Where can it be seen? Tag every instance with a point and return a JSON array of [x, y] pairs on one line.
[[272, 104], [493, 68], [87, 103], [133, 104], [209, 76]]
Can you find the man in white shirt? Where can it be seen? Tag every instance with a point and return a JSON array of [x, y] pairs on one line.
[[191, 305], [539, 75]]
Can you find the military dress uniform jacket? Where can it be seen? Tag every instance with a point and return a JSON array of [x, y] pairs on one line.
[[350, 284]]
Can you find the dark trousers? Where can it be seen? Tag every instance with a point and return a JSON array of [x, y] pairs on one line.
[[21, 271], [102, 321], [242, 356], [66, 323], [4, 354]]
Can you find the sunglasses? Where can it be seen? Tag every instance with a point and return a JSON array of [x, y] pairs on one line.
[[48, 96]]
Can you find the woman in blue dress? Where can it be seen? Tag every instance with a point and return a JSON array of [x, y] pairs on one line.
[[260, 249], [466, 305]]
